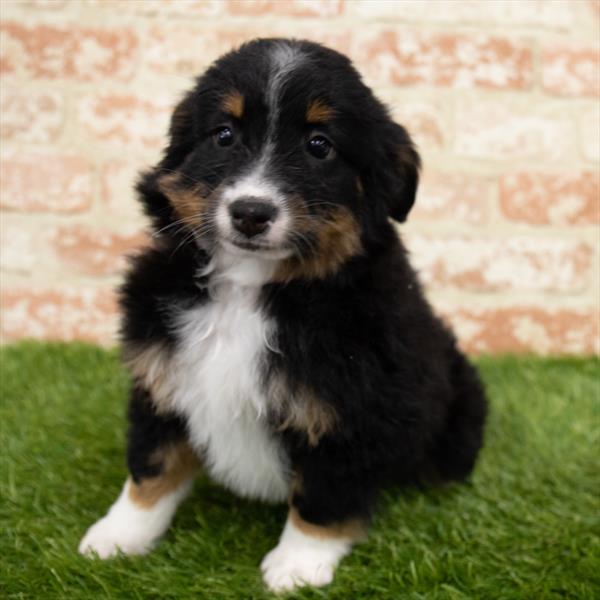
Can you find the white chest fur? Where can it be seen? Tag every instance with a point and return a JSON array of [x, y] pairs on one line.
[[218, 389]]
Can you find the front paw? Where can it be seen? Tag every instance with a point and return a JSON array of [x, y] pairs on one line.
[[107, 537], [286, 568]]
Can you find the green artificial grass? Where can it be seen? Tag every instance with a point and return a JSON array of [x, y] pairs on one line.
[[526, 526]]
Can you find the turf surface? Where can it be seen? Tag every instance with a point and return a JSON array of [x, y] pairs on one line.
[[526, 526]]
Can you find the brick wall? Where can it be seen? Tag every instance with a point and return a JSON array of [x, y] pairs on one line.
[[501, 97]]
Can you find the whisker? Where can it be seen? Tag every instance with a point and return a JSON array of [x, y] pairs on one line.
[[173, 224], [184, 241]]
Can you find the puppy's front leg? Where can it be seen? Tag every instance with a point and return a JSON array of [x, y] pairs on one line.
[[162, 466], [308, 553]]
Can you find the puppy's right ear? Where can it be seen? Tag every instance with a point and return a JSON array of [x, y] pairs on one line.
[[181, 143], [399, 171], [181, 133], [393, 177]]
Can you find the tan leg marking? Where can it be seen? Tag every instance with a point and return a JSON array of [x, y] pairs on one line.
[[150, 367], [311, 416], [179, 463], [352, 530]]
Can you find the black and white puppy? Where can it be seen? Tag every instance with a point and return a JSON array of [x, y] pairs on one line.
[[275, 332]]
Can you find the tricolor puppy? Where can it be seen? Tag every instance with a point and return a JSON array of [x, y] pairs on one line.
[[275, 332]]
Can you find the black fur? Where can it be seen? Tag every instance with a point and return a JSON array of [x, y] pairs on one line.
[[410, 403], [148, 432], [160, 279], [363, 339]]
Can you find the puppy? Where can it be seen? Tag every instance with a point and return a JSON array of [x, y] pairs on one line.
[[275, 332]]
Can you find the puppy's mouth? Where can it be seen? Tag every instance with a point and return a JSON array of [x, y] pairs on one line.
[[251, 245], [257, 248]]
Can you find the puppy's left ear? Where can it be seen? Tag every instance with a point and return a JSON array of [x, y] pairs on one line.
[[399, 171]]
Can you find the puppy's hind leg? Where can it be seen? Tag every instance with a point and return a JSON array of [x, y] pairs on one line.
[[162, 467], [457, 448]]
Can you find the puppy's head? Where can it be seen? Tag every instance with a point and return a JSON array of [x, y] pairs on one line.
[[282, 152]]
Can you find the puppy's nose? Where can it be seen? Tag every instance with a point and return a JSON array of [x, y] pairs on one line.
[[252, 216]]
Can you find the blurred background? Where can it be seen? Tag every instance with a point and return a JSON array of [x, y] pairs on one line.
[[502, 98]]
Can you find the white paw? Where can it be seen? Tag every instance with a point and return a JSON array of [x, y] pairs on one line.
[[285, 569], [130, 528], [108, 536]]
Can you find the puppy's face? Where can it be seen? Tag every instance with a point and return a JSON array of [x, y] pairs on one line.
[[282, 152]]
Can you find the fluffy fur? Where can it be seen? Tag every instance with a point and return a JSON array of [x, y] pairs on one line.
[[275, 326]]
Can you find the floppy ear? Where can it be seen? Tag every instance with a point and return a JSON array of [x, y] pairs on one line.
[[398, 171], [180, 144], [181, 133]]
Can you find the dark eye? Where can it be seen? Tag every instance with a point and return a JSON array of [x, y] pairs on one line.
[[320, 147], [224, 136]]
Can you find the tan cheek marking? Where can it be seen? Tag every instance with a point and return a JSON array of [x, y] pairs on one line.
[[338, 239], [149, 366], [189, 204], [179, 463], [318, 112], [233, 104], [352, 530], [306, 414]]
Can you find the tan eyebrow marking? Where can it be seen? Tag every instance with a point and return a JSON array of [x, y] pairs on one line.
[[318, 111], [233, 104]]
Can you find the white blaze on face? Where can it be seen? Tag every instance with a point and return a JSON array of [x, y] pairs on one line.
[[285, 59], [255, 185], [259, 183]]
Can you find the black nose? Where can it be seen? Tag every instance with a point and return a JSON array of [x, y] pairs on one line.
[[252, 216]]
